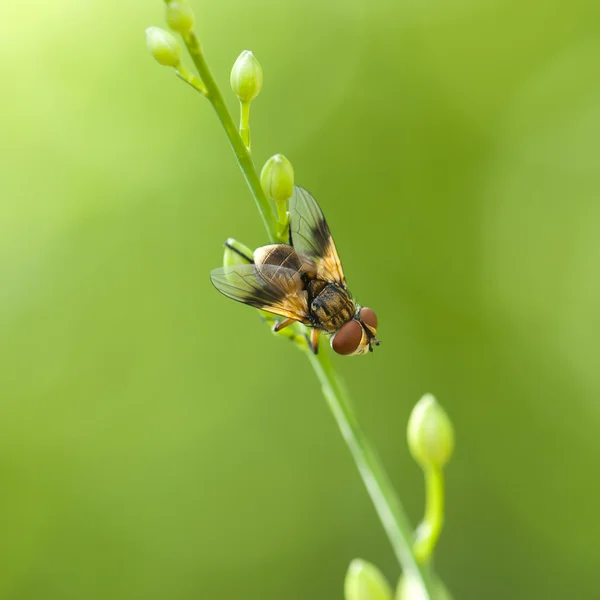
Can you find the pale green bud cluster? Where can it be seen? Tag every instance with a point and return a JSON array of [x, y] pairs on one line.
[[277, 179], [163, 46], [246, 77], [180, 16], [430, 434], [364, 581]]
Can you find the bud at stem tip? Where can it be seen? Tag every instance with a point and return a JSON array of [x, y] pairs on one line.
[[410, 589], [246, 77], [180, 16], [236, 253], [163, 46], [277, 179], [364, 581], [430, 433]]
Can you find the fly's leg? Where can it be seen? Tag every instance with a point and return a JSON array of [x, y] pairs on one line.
[[314, 340], [304, 340], [279, 325]]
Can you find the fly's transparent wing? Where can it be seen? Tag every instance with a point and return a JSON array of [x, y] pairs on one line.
[[310, 236], [271, 288]]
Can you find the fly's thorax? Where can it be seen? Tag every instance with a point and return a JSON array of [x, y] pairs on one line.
[[330, 305]]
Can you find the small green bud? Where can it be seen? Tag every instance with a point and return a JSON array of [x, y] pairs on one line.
[[236, 253], [180, 17], [277, 179], [246, 77], [430, 433], [364, 581], [410, 589], [163, 46]]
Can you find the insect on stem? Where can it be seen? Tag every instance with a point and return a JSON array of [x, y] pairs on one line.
[[303, 281]]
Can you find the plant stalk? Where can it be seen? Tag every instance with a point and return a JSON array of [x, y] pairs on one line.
[[430, 528], [376, 480], [245, 124]]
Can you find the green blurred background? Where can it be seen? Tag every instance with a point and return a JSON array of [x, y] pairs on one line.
[[155, 441]]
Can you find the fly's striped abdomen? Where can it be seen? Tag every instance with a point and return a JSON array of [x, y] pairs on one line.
[[280, 255]]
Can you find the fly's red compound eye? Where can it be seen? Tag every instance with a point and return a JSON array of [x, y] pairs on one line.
[[369, 317], [348, 338]]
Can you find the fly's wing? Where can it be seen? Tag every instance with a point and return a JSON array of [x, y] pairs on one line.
[[272, 288], [310, 236]]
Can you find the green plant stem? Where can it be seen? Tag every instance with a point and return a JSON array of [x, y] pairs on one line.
[[380, 489], [430, 528], [237, 144], [245, 124], [190, 79], [282, 227]]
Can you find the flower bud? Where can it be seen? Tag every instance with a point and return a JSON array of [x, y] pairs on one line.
[[236, 253], [410, 589], [430, 433], [246, 77], [277, 179], [180, 16], [365, 581], [163, 46]]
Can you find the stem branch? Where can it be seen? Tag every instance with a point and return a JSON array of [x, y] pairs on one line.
[[245, 123], [190, 79], [430, 528]]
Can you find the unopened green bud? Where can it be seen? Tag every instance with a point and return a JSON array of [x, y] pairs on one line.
[[246, 77], [180, 16], [277, 179], [236, 253], [430, 433], [163, 46], [364, 581], [411, 589]]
